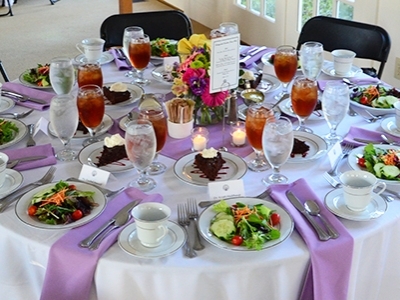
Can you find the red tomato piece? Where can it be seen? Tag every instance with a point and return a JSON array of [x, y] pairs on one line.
[[364, 100], [361, 162], [32, 210], [77, 214], [275, 219], [72, 187], [237, 240]]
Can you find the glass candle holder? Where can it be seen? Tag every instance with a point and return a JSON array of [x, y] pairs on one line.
[[199, 138], [238, 133]]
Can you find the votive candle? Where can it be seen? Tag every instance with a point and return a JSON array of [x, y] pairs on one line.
[[199, 138], [238, 133]]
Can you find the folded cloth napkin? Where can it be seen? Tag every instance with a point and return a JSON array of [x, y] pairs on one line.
[[114, 129], [121, 64], [34, 93], [329, 272], [361, 133], [357, 81], [70, 268], [247, 62], [41, 150]]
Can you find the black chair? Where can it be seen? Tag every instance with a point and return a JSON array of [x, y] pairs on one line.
[[170, 24], [3, 72], [366, 40]]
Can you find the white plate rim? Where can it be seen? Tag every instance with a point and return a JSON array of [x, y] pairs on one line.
[[9, 103], [23, 130], [86, 152], [207, 214], [133, 88], [388, 123], [273, 80], [31, 85], [17, 176], [285, 109], [310, 138], [21, 207], [124, 236], [327, 68], [346, 213], [229, 157], [106, 57], [160, 70]]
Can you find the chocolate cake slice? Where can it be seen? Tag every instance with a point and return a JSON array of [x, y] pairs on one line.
[[116, 97], [111, 155], [210, 166], [299, 147]]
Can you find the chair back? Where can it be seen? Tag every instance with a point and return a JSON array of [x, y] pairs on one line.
[[366, 40], [170, 24]]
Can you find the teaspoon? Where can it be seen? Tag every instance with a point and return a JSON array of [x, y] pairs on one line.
[[314, 210]]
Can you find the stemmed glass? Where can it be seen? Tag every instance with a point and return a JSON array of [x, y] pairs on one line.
[[257, 115], [91, 109], [64, 120], [311, 58], [62, 75], [140, 144], [335, 104], [129, 33], [90, 73], [139, 55], [285, 66], [277, 143], [304, 99]]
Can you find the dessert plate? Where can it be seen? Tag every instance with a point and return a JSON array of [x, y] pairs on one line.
[[329, 69], [389, 125], [21, 207], [285, 226], [286, 108], [233, 168], [90, 156], [334, 201], [162, 76], [23, 130], [6, 103], [135, 90], [13, 181], [106, 57], [172, 242], [318, 147]]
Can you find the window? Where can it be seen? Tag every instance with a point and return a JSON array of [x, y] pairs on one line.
[[264, 8]]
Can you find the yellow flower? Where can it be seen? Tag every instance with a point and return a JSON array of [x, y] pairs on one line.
[[196, 40]]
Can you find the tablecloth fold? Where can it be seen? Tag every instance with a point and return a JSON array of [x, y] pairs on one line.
[[362, 133], [34, 93], [70, 268], [329, 271]]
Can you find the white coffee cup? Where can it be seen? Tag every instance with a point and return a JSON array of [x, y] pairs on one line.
[[343, 61], [397, 117], [3, 165], [92, 48], [151, 223], [358, 187]]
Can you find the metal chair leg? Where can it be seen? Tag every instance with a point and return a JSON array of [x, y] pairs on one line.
[[3, 72]]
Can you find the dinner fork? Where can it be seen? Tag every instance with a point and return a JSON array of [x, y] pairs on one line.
[[345, 151], [184, 221], [15, 115], [6, 201], [193, 214]]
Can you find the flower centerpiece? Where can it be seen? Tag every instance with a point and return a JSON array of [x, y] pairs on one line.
[[192, 79]]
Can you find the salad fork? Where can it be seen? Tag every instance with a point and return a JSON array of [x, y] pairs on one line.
[[345, 151], [193, 214], [184, 221], [15, 115]]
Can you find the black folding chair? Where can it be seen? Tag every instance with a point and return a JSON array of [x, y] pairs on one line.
[[3, 72], [170, 24], [366, 40]]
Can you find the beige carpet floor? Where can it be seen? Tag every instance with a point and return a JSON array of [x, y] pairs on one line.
[[39, 31]]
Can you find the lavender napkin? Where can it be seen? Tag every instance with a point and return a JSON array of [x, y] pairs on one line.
[[41, 150], [359, 81], [70, 268], [361, 133], [246, 62], [329, 272], [121, 64], [34, 93]]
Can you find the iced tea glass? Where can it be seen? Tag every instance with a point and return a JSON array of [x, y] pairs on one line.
[[285, 66], [257, 115], [91, 109], [129, 33], [90, 73], [139, 55], [304, 99]]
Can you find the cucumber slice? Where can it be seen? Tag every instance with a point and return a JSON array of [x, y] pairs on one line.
[[391, 100], [378, 169], [390, 172], [222, 216], [223, 228]]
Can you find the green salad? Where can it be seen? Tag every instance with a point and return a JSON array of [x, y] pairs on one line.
[[375, 96], [8, 131], [162, 47], [39, 76]]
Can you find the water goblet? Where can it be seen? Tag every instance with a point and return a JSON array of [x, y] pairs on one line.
[[64, 121], [129, 33], [335, 104], [277, 143], [285, 66], [91, 109], [90, 73], [304, 99], [257, 115], [311, 58], [139, 55], [140, 144], [62, 75]]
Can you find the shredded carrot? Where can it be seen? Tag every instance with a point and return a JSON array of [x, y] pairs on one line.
[[390, 159], [57, 198], [242, 212]]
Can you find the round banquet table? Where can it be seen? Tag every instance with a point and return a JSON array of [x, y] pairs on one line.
[[275, 273]]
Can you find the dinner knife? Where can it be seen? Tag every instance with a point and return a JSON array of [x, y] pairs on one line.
[[365, 141], [322, 234], [123, 212], [251, 54], [22, 98], [13, 162]]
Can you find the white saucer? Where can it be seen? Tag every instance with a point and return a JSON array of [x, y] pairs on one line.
[[13, 181], [172, 242], [328, 69], [334, 201], [105, 58], [6, 103], [389, 125]]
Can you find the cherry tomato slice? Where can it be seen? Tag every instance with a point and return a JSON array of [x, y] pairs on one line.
[[361, 162], [32, 210], [237, 240], [275, 219], [77, 214]]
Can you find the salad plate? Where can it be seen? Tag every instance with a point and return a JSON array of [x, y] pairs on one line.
[[285, 227], [334, 201], [106, 57], [329, 69], [21, 207], [286, 107], [160, 47], [13, 181], [161, 75], [389, 125], [30, 84], [318, 147], [104, 127], [6, 103], [373, 110], [233, 168], [90, 156], [135, 90], [23, 130], [172, 242]]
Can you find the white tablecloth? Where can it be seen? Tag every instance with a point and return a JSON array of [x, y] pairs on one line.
[[276, 273]]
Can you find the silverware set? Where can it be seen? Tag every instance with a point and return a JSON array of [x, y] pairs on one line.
[[184, 221], [21, 98]]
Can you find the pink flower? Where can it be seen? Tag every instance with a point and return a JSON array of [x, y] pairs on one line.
[[193, 73], [214, 99]]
